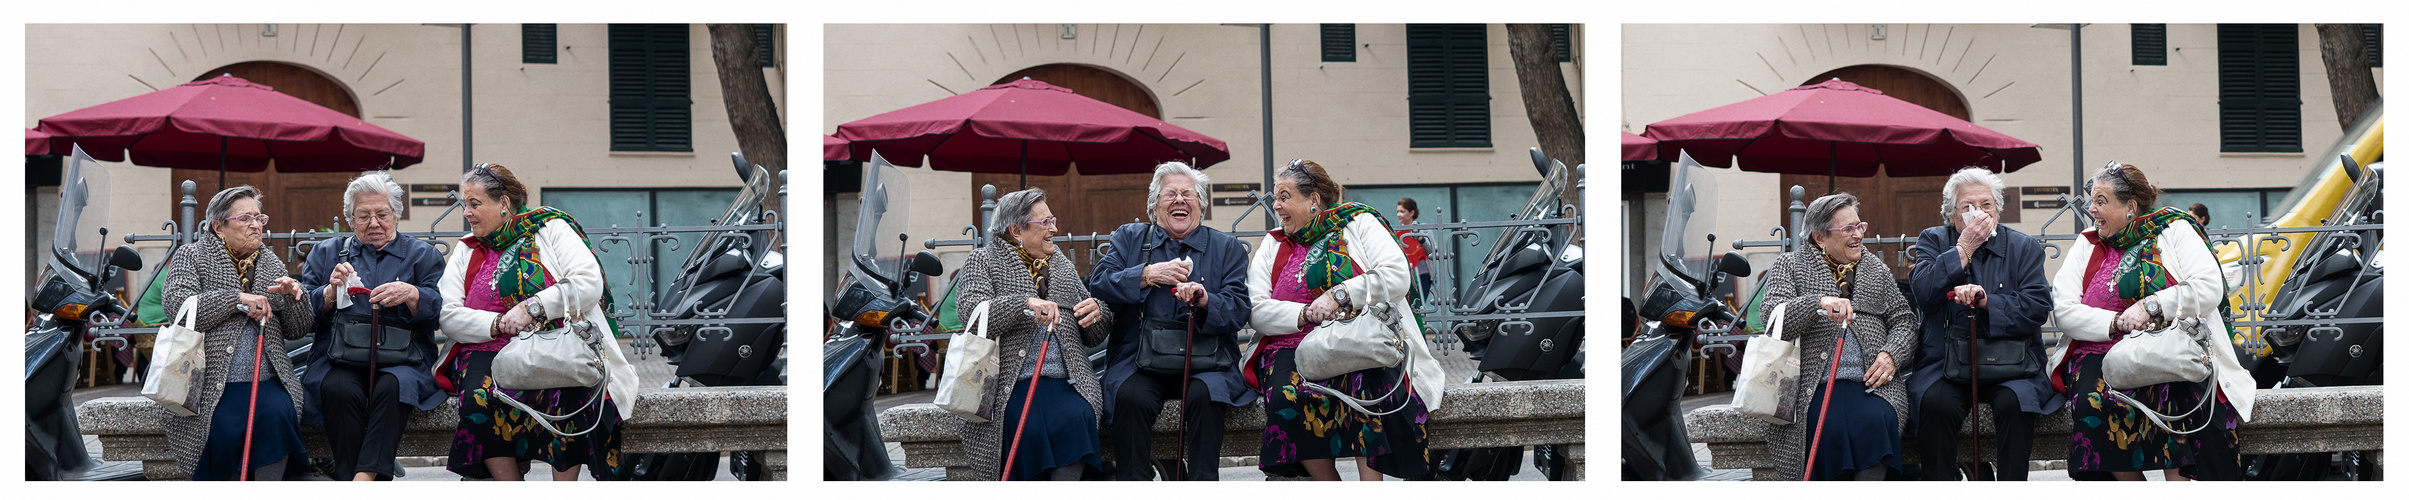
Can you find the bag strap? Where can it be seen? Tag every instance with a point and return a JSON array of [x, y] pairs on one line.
[[595, 401], [1778, 316], [2208, 396], [1404, 370], [977, 324], [185, 316]]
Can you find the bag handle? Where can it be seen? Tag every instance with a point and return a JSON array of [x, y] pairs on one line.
[[977, 324], [1388, 314], [2208, 396], [1778, 315], [186, 316], [594, 402]]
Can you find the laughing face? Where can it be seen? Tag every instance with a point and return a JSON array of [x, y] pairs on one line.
[[1176, 208], [1294, 208], [1845, 241]]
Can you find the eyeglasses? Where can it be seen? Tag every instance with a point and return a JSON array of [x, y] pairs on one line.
[[384, 216], [1184, 194], [1047, 222], [1986, 206], [261, 219], [1858, 228]]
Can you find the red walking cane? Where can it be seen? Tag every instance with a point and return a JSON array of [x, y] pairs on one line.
[[1829, 375], [259, 346], [1046, 341]]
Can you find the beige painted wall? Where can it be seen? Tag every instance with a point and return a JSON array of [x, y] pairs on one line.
[[548, 122], [1350, 117], [2015, 80]]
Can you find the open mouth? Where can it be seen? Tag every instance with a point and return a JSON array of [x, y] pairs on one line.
[[1179, 214]]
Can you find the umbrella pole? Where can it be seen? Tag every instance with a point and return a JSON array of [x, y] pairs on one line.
[[1831, 179], [221, 163], [1024, 164]]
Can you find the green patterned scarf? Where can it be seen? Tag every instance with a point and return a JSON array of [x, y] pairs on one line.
[[521, 273], [1327, 262], [2143, 271]]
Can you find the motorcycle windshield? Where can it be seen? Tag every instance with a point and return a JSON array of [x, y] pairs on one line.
[[76, 242], [746, 210], [1685, 250], [1546, 202], [878, 232]]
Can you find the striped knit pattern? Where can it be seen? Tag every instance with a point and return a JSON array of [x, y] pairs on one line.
[[1885, 322], [995, 273], [202, 268]]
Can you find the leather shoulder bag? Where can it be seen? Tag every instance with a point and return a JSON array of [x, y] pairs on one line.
[[362, 341], [1162, 344], [565, 357]]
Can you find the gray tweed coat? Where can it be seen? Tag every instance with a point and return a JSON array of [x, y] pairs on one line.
[[202, 268], [1885, 322], [995, 273]]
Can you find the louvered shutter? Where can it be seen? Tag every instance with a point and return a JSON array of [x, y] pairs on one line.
[[766, 45], [1447, 73], [2258, 88], [651, 109], [1338, 43], [539, 43], [1562, 34], [2149, 45]]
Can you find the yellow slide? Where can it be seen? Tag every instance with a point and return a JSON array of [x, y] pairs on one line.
[[2365, 143]]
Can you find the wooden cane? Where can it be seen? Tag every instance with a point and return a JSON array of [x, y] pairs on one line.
[[1046, 341], [259, 348], [1179, 463], [1830, 375]]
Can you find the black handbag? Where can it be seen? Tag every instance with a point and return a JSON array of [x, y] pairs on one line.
[[1164, 344], [1996, 360], [364, 342]]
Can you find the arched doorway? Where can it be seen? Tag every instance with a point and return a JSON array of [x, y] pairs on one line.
[[1894, 205], [1085, 203], [295, 201]]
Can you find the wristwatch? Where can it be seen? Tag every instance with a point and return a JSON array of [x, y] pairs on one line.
[[1340, 293], [535, 309]]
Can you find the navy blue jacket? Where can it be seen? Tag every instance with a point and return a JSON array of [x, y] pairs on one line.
[[406, 259], [2009, 267], [1219, 264]]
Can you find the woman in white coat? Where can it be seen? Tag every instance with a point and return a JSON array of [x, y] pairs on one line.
[[1328, 261], [527, 270], [2142, 267]]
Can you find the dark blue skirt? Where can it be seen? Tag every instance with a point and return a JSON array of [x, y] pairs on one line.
[[1864, 432], [277, 434], [1061, 432]]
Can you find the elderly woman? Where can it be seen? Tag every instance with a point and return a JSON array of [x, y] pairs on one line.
[[525, 270], [363, 419], [246, 306], [1974, 266], [1854, 332], [2120, 277], [1168, 273], [1330, 260], [1035, 299]]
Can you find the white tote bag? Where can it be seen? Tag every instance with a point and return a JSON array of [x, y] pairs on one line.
[[569, 356], [174, 377], [1768, 375], [970, 363]]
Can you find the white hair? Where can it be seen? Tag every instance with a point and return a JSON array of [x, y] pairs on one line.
[[1154, 190], [1012, 210], [1959, 180], [372, 182]]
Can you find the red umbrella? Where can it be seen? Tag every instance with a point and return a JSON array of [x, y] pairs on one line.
[[1839, 128], [37, 142], [1638, 148], [227, 124], [833, 149], [1028, 127]]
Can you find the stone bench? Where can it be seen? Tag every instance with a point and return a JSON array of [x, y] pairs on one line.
[[676, 420], [1472, 416], [2301, 420]]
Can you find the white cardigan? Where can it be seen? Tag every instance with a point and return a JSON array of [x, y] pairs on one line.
[[1386, 277], [573, 266], [2201, 287]]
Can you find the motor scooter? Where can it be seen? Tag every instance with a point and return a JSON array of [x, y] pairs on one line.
[[872, 305], [70, 304], [2340, 275], [1682, 311]]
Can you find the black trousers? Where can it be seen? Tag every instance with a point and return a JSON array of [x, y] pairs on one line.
[[364, 429], [1944, 410], [1139, 402]]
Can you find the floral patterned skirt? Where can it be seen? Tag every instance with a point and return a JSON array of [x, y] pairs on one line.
[[1301, 425], [490, 428], [2111, 437]]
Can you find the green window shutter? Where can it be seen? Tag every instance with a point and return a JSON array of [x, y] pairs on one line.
[[2372, 36], [539, 43], [1447, 80], [765, 44], [1338, 43], [2149, 45], [1563, 36], [2258, 88], [651, 105]]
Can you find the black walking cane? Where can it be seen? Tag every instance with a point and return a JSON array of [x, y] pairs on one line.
[[1179, 463]]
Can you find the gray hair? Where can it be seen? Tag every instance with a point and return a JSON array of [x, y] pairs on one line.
[[368, 183], [1959, 180], [223, 202], [1013, 210], [1819, 213], [1154, 190]]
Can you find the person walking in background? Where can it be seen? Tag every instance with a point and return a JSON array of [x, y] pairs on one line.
[[1417, 251]]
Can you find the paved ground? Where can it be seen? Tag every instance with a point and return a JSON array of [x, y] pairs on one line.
[[2042, 470]]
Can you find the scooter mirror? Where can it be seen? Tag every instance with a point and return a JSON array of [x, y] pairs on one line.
[[744, 169], [1733, 264], [1539, 160], [927, 264], [124, 257], [2350, 166]]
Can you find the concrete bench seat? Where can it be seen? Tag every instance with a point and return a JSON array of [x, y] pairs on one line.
[[676, 420], [2300, 420], [1473, 416]]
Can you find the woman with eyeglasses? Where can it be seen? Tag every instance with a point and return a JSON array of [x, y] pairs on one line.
[[1854, 331], [363, 417], [1045, 407], [245, 307], [525, 269], [2123, 276]]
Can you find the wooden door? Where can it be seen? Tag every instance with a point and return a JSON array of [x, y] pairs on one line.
[[295, 201], [1085, 203], [1895, 206]]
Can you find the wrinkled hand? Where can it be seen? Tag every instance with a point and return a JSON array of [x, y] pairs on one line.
[[1971, 295], [286, 286], [1881, 371], [1167, 273], [1088, 311], [1047, 311], [258, 305], [1323, 308], [1837, 309], [2133, 318], [516, 320], [340, 275], [1192, 293], [393, 294]]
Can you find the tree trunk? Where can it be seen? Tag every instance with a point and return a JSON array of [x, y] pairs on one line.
[[2346, 70], [1546, 99], [751, 113]]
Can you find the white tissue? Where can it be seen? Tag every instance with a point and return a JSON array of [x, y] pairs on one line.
[[343, 295]]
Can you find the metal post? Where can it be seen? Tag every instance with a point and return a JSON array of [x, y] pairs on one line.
[[468, 116], [986, 212], [2076, 37], [1264, 32], [1798, 217], [187, 230]]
